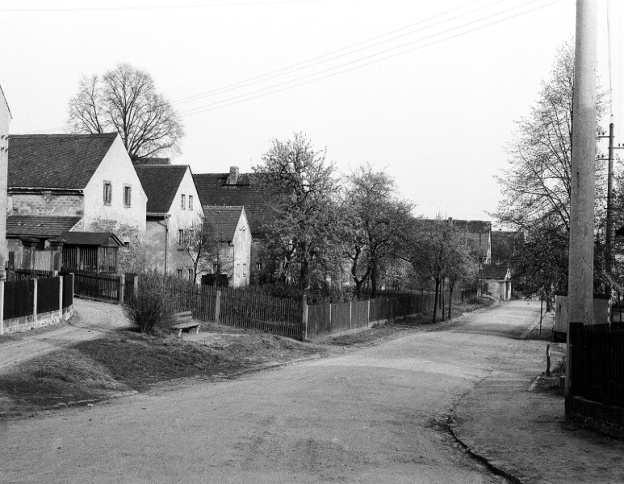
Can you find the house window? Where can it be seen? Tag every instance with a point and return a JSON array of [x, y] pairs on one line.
[[190, 202], [244, 269], [127, 196], [190, 272], [180, 236], [180, 273], [108, 193], [183, 201]]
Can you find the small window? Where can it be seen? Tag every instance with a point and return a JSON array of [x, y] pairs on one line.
[[108, 193], [127, 196], [180, 236], [190, 272], [183, 201], [180, 273], [190, 202], [244, 269]]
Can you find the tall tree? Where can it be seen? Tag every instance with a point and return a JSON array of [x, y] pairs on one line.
[[125, 100], [201, 243], [536, 185], [303, 236], [373, 221]]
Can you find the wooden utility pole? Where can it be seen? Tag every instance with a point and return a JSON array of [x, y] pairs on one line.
[[581, 252], [609, 227]]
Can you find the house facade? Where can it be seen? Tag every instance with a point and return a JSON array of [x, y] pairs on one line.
[[173, 208], [5, 120], [239, 189], [233, 240], [497, 281], [72, 182]]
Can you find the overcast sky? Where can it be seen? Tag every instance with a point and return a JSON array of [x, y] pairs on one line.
[[428, 90]]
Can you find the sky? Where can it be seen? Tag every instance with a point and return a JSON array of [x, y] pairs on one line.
[[427, 90]]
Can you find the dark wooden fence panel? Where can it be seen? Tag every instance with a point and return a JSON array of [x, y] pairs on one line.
[[318, 319], [18, 298], [597, 363], [97, 286], [340, 316], [68, 291], [129, 278], [359, 314], [47, 295]]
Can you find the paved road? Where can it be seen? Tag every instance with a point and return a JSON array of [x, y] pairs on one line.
[[92, 318], [368, 416]]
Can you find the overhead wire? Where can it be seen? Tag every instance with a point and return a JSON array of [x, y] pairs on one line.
[[371, 59]]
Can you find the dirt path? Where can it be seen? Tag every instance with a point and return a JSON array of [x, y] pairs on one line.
[[369, 416], [92, 318]]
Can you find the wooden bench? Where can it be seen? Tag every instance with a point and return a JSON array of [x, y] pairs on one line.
[[184, 321]]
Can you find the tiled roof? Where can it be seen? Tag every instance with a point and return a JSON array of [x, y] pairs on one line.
[[214, 190], [223, 219], [160, 183], [55, 160], [495, 271], [39, 226], [152, 161], [103, 239]]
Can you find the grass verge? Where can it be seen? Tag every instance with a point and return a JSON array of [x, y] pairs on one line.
[[124, 362]]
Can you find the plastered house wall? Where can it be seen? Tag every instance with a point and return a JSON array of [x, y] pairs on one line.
[[179, 219], [116, 167]]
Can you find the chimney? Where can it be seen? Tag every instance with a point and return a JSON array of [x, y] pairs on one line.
[[232, 178]]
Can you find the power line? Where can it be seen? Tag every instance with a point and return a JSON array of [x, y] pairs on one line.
[[369, 59], [343, 51]]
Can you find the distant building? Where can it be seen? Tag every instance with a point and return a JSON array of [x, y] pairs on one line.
[[234, 239], [477, 235], [173, 207], [506, 246], [497, 281], [239, 189], [5, 119], [71, 182]]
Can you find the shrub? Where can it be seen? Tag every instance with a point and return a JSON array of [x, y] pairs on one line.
[[148, 309]]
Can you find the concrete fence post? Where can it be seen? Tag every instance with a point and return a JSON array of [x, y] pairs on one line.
[[135, 292], [350, 313], [122, 288], [60, 298], [217, 306], [368, 321], [330, 316], [1, 306], [305, 316], [35, 300]]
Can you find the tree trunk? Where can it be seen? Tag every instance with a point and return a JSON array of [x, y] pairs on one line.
[[435, 299], [442, 300], [450, 303]]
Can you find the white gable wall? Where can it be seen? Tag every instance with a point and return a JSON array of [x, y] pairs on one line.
[[117, 168]]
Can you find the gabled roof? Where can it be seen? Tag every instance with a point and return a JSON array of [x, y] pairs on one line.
[[39, 226], [160, 183], [101, 239], [495, 271], [224, 220], [213, 189], [55, 160]]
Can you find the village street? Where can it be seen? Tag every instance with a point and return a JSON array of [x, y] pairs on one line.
[[373, 415]]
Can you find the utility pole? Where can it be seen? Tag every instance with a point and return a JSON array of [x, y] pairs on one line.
[[581, 251]]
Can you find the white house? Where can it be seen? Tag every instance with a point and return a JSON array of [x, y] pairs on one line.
[[173, 208], [72, 182]]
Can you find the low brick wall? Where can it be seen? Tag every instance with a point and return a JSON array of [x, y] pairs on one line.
[[27, 323]]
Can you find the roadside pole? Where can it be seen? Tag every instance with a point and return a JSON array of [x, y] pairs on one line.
[[581, 250]]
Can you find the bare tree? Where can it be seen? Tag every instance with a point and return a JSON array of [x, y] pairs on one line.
[[125, 100], [201, 244]]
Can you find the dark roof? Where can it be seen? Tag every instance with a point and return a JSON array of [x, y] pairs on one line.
[[55, 160], [160, 183], [472, 226], [223, 219], [152, 161], [104, 239], [39, 226], [213, 189], [506, 245], [495, 271]]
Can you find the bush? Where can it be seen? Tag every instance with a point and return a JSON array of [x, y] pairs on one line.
[[148, 309]]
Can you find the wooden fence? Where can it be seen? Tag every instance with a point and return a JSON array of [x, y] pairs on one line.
[[597, 363], [28, 299]]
